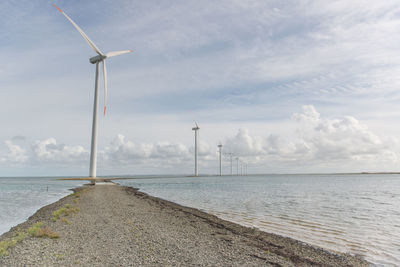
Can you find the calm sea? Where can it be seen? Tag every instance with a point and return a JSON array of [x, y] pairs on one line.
[[358, 214]]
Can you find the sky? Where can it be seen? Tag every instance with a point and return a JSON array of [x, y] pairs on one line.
[[287, 86]]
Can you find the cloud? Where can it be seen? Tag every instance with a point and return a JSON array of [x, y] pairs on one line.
[[341, 139], [125, 151], [16, 154], [162, 154], [318, 142], [43, 153], [49, 151], [245, 145]]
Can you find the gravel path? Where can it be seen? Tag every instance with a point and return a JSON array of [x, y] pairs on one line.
[[119, 226]]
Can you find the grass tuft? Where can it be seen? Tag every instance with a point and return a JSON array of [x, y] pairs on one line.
[[64, 211], [39, 231], [5, 245], [20, 236], [33, 231], [36, 230], [57, 214], [47, 232]]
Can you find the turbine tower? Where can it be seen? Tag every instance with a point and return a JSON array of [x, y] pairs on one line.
[[220, 159], [100, 58], [196, 142], [237, 166], [230, 155]]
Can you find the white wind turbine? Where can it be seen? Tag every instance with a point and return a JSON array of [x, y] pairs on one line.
[[196, 150], [220, 159], [101, 57], [237, 166]]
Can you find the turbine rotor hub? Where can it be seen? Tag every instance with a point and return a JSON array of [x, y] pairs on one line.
[[96, 59]]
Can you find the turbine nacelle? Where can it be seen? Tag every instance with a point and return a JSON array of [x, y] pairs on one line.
[[196, 128], [97, 59]]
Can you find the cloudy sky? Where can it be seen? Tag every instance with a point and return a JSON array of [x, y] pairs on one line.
[[289, 86]]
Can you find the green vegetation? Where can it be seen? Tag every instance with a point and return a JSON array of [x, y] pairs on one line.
[[39, 231], [57, 214], [20, 236], [36, 230], [5, 245], [64, 211], [33, 231]]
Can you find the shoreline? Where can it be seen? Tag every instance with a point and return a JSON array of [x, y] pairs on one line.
[[121, 225]]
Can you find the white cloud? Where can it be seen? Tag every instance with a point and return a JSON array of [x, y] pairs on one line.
[[42, 153], [49, 151], [344, 139], [319, 143], [127, 152], [16, 154], [245, 145]]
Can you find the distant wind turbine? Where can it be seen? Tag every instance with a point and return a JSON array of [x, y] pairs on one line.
[[220, 159], [237, 166], [101, 57], [230, 157], [196, 142]]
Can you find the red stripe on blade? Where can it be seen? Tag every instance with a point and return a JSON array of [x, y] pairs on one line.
[[58, 8]]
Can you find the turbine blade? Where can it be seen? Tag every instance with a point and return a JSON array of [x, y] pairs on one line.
[[117, 53], [105, 86], [196, 125], [97, 50]]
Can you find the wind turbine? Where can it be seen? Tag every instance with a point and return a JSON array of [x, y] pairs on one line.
[[101, 57], [237, 166], [220, 159], [196, 141], [230, 155]]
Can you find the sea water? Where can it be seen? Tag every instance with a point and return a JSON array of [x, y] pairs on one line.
[[21, 197], [356, 214]]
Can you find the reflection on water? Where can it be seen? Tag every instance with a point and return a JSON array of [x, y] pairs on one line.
[[358, 214]]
